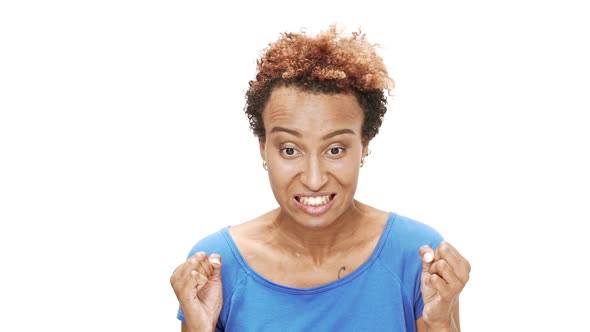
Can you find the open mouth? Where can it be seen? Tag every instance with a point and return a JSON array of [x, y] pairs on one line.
[[315, 200]]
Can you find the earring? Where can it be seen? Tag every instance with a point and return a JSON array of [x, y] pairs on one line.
[[264, 165], [362, 161]]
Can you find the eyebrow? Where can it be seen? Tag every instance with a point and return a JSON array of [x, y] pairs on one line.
[[298, 134], [339, 132], [288, 131]]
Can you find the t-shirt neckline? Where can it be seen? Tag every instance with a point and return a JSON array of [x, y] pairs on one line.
[[317, 289]]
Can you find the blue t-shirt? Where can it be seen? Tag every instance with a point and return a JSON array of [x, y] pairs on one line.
[[383, 294]]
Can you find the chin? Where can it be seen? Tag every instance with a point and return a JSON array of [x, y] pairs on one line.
[[314, 214], [317, 221]]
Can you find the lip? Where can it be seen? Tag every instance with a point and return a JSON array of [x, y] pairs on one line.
[[315, 210]]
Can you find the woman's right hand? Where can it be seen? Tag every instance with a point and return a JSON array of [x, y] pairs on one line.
[[197, 285]]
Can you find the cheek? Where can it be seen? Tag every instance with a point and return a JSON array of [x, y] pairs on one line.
[[345, 173], [281, 175]]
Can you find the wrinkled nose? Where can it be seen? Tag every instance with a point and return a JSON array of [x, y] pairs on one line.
[[314, 174]]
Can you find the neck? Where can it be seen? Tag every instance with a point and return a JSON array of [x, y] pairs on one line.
[[319, 243]]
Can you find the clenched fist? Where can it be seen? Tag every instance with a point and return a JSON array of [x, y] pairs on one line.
[[444, 274], [197, 285]]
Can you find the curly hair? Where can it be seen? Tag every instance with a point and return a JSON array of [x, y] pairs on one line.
[[327, 63]]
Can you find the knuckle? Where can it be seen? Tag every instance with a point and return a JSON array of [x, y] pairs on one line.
[[197, 258], [439, 266], [444, 248], [201, 279], [174, 276], [174, 281], [437, 281]]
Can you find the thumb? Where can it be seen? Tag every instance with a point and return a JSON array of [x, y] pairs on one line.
[[215, 260], [427, 255]]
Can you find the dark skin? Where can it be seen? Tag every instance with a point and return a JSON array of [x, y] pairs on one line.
[[319, 233], [271, 253]]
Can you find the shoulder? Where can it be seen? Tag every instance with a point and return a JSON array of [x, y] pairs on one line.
[[400, 254], [224, 241], [409, 232], [401, 248], [232, 268], [214, 243]]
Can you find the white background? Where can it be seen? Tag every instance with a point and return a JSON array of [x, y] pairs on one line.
[[123, 141]]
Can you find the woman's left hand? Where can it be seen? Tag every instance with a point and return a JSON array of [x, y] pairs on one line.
[[444, 274]]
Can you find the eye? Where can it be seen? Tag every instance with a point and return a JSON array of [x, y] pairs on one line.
[[335, 151], [289, 152]]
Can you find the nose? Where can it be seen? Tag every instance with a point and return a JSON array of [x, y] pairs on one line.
[[314, 174]]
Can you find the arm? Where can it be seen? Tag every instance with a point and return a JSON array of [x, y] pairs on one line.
[[454, 327], [444, 275], [185, 328]]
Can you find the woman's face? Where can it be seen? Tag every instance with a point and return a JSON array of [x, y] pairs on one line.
[[313, 150]]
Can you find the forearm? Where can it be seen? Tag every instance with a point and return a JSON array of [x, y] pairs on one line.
[[197, 327], [195, 321], [451, 328]]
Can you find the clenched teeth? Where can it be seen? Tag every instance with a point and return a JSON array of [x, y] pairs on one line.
[[314, 201]]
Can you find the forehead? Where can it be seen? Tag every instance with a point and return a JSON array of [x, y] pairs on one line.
[[308, 112]]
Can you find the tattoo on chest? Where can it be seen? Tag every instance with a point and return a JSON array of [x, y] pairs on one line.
[[342, 269]]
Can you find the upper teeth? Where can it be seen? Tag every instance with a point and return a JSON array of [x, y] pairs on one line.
[[315, 201]]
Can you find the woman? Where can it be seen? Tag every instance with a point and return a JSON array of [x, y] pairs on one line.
[[321, 261]]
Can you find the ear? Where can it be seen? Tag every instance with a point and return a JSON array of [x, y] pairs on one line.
[[365, 150]]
